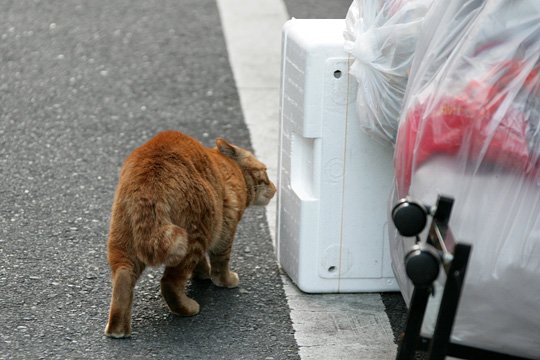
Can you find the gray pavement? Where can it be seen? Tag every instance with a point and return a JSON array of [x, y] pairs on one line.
[[81, 84]]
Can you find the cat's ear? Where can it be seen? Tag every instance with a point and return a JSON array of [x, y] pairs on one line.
[[230, 150]]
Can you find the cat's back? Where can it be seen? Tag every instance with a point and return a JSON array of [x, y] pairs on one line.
[[170, 156], [170, 144]]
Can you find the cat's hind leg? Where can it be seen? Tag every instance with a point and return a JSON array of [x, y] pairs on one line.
[[202, 270], [173, 283], [124, 277]]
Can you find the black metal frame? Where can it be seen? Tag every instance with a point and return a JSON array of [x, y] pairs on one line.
[[439, 345]]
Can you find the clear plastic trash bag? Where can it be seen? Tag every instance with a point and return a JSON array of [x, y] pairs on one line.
[[469, 129], [381, 37]]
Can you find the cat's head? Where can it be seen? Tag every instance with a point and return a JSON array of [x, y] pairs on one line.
[[261, 188]]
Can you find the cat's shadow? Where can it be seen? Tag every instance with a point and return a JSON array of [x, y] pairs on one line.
[[210, 299], [200, 288], [209, 296]]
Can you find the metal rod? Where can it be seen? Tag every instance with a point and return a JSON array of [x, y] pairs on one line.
[[415, 317], [449, 303]]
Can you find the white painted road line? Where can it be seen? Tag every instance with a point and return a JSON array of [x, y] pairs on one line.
[[335, 326]]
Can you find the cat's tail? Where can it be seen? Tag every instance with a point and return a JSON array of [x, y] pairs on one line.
[[156, 240]]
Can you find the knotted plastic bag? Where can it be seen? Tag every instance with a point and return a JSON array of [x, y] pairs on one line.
[[381, 36]]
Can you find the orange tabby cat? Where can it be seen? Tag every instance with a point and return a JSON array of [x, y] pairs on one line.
[[178, 203]]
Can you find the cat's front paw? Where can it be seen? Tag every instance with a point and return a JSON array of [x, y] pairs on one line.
[[229, 280]]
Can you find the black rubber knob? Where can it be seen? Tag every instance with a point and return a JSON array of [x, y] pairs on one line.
[[422, 267], [410, 218]]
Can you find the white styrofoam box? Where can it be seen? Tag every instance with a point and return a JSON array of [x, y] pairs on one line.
[[334, 180]]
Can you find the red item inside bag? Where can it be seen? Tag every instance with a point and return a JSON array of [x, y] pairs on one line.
[[469, 124]]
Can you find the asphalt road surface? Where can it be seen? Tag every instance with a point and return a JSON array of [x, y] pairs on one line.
[[82, 83]]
